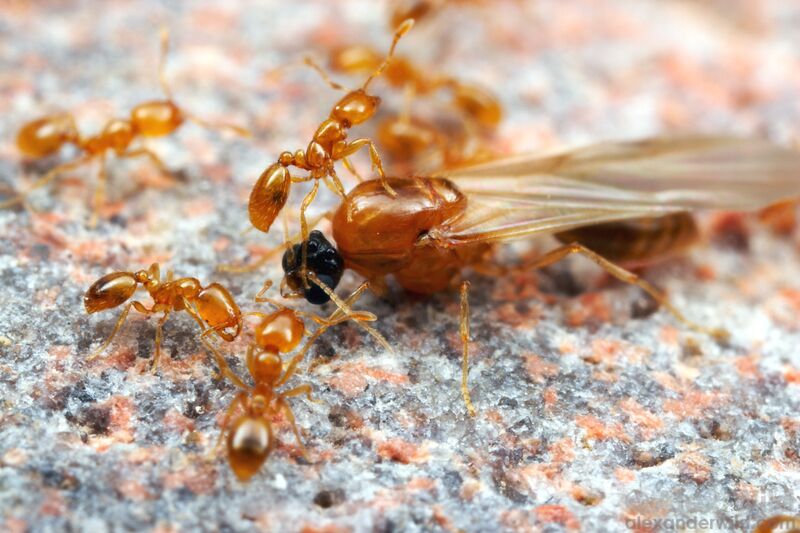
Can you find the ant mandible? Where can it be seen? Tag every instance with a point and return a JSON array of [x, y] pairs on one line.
[[45, 136], [250, 438], [211, 306], [328, 145]]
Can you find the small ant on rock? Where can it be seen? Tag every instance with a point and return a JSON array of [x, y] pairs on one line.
[[45, 136]]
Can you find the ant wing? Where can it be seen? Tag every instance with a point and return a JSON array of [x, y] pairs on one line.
[[546, 193]]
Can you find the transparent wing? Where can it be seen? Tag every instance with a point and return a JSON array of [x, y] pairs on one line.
[[544, 193]]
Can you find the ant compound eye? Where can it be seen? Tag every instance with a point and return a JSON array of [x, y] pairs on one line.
[[315, 295]]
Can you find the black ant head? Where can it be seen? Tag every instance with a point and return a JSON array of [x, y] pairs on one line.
[[322, 259]]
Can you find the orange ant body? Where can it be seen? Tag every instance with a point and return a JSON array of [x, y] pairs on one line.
[[779, 524], [211, 306], [405, 137], [45, 136], [250, 438], [328, 145], [421, 10], [471, 100], [612, 203]]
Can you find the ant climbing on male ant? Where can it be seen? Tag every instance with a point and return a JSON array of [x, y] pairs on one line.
[[328, 145], [45, 136], [405, 136]]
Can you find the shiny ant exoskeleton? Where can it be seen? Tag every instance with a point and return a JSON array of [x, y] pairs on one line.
[[250, 438], [616, 204], [212, 307], [405, 136], [322, 259], [45, 136], [328, 145]]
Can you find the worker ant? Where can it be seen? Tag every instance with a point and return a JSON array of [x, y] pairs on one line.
[[250, 438], [45, 136], [404, 136], [328, 145], [211, 306]]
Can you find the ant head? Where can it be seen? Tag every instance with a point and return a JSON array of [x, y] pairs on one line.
[[281, 331], [156, 118], [110, 291], [265, 365], [322, 258], [355, 107]]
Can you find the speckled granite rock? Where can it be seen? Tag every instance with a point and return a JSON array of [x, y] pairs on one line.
[[596, 411]]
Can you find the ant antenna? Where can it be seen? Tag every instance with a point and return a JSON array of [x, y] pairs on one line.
[[333, 85], [238, 130], [344, 307], [401, 30], [162, 64], [162, 79]]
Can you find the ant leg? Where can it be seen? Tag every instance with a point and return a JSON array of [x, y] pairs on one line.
[[359, 317], [269, 254], [349, 166], [300, 390], [324, 75], [625, 276], [224, 368], [304, 229], [346, 149], [345, 308], [152, 156], [255, 265], [338, 187], [333, 187], [157, 355], [464, 329], [348, 302], [44, 180], [260, 298], [120, 321], [99, 192], [222, 364], [287, 412], [117, 326], [241, 131]]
